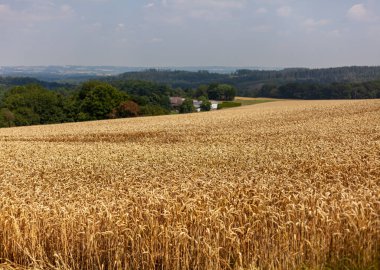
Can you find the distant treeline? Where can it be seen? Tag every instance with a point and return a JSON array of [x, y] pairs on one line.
[[249, 82], [32, 103], [324, 75], [305, 90], [7, 82]]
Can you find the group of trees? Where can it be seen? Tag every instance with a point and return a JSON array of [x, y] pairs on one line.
[[215, 91], [321, 75], [249, 82], [33, 104], [175, 78], [28, 105], [187, 106], [309, 90]]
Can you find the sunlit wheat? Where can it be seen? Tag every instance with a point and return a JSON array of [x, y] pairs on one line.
[[280, 185]]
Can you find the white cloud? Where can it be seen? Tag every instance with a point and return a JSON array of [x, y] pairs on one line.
[[311, 25], [359, 13], [284, 11], [149, 5], [316, 23], [66, 9], [41, 12], [120, 27]]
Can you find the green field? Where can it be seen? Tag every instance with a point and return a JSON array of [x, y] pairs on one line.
[[253, 101]]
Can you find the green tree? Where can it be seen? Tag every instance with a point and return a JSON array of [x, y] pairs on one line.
[[226, 92], [213, 92], [6, 118], [32, 104], [98, 99], [206, 104], [126, 109], [201, 91], [187, 106], [221, 92], [151, 110]]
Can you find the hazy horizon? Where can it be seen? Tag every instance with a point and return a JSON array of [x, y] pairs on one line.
[[190, 33], [189, 67]]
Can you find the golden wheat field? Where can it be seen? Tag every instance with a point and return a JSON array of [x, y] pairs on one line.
[[280, 185]]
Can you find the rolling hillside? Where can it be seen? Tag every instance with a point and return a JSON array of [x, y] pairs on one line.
[[279, 185]]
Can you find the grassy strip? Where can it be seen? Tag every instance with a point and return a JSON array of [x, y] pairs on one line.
[[228, 104], [245, 102]]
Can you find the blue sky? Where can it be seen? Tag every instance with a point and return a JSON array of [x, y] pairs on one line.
[[159, 33]]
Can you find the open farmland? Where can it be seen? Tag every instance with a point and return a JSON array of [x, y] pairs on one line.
[[280, 185], [252, 101]]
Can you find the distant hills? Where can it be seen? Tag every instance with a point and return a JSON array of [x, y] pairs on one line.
[[248, 81], [64, 73], [8, 81], [81, 94], [82, 73]]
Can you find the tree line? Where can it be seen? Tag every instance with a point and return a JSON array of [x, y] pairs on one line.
[[32, 104], [310, 90], [249, 82]]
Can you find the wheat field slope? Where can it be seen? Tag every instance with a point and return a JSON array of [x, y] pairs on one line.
[[281, 185]]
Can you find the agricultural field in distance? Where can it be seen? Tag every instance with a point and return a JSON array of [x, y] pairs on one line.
[[252, 101], [280, 185]]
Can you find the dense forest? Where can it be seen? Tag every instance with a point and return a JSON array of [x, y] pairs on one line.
[[32, 103], [250, 82], [309, 90], [7, 82]]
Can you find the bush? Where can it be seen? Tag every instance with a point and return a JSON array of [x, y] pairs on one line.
[[206, 104], [6, 118], [151, 110], [125, 109]]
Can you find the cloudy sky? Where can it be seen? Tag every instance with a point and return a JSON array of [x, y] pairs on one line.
[[159, 33]]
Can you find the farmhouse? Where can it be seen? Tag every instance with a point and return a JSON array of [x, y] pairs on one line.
[[175, 102]]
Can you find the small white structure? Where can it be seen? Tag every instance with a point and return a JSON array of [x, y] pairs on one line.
[[214, 104], [197, 105]]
